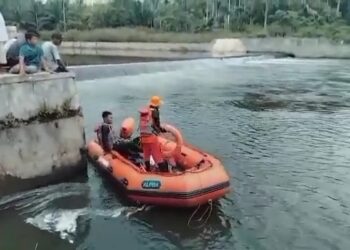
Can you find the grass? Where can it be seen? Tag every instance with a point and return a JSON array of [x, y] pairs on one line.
[[125, 34], [142, 35], [334, 32]]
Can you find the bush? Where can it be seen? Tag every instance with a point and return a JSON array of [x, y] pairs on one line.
[[279, 30], [335, 31], [140, 35]]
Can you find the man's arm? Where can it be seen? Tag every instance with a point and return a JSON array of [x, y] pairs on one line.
[[43, 61], [61, 66], [57, 57], [45, 65], [22, 70], [156, 121]]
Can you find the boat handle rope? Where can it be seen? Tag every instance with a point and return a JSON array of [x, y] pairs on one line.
[[192, 170], [206, 215]]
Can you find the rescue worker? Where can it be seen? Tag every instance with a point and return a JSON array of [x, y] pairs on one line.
[[149, 140], [154, 106]]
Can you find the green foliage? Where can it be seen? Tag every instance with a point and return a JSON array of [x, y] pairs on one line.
[[284, 17], [140, 34]]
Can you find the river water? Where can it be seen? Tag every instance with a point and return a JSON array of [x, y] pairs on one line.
[[281, 128]]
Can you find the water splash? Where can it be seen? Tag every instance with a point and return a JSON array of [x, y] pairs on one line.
[[65, 222]]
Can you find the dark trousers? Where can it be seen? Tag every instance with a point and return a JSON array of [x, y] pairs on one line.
[[126, 148], [12, 62]]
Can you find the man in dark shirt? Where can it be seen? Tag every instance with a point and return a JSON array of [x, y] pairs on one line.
[[110, 141], [106, 133]]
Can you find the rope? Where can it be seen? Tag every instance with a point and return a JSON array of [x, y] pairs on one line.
[[206, 215]]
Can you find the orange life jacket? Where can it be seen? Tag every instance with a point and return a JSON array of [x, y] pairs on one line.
[[146, 129]]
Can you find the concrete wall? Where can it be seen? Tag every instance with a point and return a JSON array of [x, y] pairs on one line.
[[228, 48], [299, 47], [41, 129], [166, 50], [38, 149], [25, 96]]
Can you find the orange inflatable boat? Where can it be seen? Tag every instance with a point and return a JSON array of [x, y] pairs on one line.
[[198, 177]]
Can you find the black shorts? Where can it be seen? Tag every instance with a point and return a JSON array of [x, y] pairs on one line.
[[12, 62]]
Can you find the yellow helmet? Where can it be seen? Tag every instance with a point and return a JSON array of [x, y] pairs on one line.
[[156, 101]]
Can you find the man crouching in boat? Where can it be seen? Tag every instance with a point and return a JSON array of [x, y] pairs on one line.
[[105, 132], [107, 138], [149, 140]]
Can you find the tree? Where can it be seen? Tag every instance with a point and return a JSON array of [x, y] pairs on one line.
[[338, 7], [180, 15], [266, 14]]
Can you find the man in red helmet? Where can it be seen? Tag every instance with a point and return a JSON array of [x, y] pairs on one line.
[[149, 141]]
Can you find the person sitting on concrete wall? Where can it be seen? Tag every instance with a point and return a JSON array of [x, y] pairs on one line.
[[8, 44], [31, 58], [52, 55], [3, 40], [12, 52]]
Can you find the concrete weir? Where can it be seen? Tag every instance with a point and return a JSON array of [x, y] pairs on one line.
[[223, 47], [41, 130]]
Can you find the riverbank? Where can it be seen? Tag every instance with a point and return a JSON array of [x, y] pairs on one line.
[[295, 47]]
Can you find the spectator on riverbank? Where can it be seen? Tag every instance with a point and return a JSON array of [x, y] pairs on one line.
[[52, 55], [12, 53], [31, 58], [3, 40]]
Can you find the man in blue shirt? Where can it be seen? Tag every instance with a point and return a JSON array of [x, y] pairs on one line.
[[30, 56]]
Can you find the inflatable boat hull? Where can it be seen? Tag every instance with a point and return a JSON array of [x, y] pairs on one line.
[[193, 187]]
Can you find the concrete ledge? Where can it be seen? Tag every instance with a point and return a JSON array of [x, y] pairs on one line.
[[228, 48], [43, 76], [78, 46], [151, 50], [299, 47], [25, 97]]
